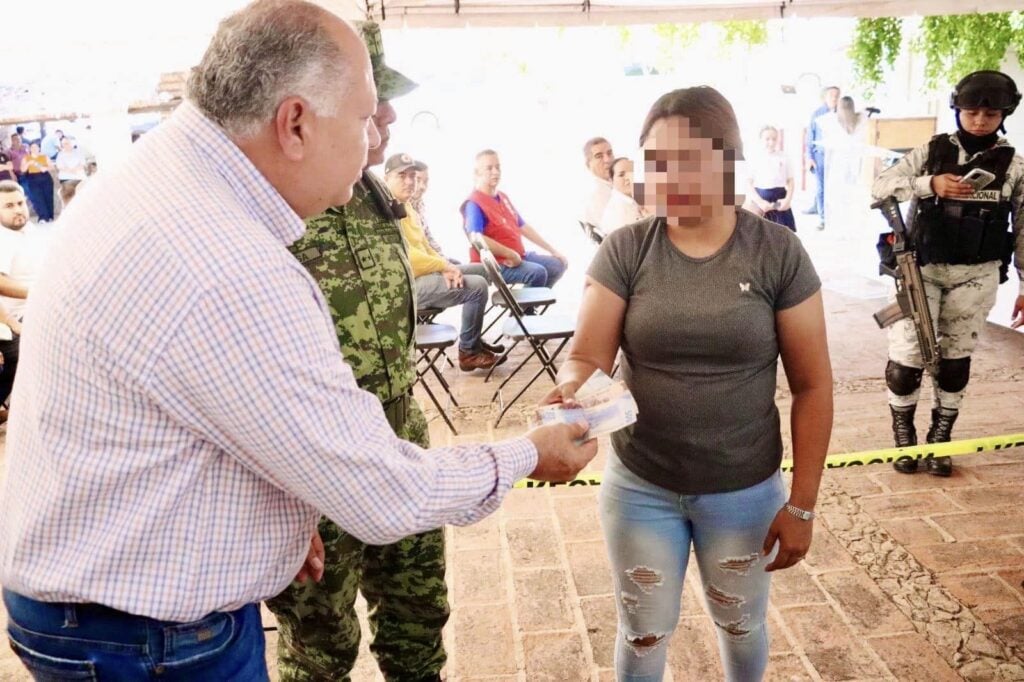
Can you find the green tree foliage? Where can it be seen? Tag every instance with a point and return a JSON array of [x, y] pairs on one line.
[[876, 42], [956, 45], [953, 46], [744, 33], [673, 41]]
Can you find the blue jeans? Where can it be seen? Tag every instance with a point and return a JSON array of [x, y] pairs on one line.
[[819, 190], [648, 531], [432, 291], [60, 641], [536, 270]]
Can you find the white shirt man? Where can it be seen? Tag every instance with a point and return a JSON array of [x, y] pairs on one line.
[[23, 246], [598, 155]]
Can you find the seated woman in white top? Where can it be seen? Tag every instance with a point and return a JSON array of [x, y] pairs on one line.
[[771, 180], [70, 162], [622, 208]]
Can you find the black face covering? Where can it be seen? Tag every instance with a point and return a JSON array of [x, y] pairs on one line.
[[973, 144]]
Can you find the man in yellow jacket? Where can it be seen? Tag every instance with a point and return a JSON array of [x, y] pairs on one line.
[[440, 283]]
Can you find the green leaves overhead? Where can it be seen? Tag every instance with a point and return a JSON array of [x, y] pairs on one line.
[[952, 46], [875, 42]]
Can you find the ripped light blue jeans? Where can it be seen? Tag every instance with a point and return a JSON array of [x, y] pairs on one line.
[[648, 531]]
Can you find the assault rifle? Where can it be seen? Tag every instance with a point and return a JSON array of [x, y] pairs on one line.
[[911, 301]]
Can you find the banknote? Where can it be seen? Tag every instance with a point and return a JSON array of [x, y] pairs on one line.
[[605, 404]]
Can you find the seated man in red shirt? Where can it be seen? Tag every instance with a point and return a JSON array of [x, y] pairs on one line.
[[490, 213]]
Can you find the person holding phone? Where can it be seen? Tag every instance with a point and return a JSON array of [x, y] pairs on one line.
[[966, 190], [702, 298]]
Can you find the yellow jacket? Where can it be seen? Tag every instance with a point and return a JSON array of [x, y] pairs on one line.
[[422, 257]]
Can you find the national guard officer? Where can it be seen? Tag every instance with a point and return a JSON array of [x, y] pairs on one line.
[[964, 236], [357, 255]]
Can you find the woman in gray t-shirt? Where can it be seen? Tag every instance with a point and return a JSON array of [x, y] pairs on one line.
[[702, 299]]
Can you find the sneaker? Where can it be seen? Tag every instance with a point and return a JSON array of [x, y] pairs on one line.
[[810, 210], [821, 226], [484, 359]]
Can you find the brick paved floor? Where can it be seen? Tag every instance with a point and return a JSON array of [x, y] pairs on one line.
[[910, 577]]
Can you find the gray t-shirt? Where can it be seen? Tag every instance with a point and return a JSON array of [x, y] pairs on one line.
[[700, 350]]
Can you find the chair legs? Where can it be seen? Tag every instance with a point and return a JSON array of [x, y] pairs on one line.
[[431, 357], [547, 365]]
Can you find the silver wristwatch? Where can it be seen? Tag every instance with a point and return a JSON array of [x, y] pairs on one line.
[[801, 514]]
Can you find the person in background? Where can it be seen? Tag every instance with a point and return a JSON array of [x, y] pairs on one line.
[[490, 213], [622, 208], [70, 162], [771, 180], [18, 152], [50, 144], [439, 283], [14, 219], [37, 174], [816, 153], [963, 237], [844, 141], [598, 156], [702, 299], [6, 166], [418, 204]]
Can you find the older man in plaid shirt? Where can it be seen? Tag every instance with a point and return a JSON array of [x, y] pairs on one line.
[[183, 414]]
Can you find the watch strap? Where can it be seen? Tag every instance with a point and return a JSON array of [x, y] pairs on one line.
[[799, 513]]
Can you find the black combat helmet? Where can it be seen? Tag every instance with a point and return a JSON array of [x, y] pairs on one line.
[[988, 90]]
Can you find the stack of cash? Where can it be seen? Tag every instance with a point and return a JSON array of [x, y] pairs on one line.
[[604, 403]]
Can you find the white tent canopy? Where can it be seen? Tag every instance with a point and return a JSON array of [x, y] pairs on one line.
[[105, 54], [454, 13]]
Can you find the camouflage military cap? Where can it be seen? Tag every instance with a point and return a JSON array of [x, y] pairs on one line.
[[390, 83]]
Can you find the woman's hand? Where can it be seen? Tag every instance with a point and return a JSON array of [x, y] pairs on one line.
[[948, 186], [1017, 316], [563, 394], [793, 536]]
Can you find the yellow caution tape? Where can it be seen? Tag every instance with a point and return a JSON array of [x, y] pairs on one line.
[[951, 449]]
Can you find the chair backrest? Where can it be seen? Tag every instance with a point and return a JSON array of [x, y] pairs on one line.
[[592, 232], [494, 274], [476, 240]]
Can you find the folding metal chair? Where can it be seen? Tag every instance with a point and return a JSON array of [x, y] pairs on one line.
[[593, 233], [426, 316], [536, 330], [537, 298], [432, 340]]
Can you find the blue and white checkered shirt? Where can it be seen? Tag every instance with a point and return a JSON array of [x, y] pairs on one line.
[[182, 413]]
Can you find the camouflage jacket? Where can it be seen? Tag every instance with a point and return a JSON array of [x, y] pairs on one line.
[[357, 255]]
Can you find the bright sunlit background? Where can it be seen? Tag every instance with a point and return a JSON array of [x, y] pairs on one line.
[[533, 94]]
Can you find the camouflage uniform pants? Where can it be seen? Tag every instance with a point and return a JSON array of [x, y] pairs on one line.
[[959, 298], [403, 584]]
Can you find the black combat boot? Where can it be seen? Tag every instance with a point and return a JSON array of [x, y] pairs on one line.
[[941, 431], [904, 435]]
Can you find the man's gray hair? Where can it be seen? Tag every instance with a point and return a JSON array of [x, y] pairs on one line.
[[260, 55], [8, 186]]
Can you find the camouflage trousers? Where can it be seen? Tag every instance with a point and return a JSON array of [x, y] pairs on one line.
[[959, 299], [403, 584]]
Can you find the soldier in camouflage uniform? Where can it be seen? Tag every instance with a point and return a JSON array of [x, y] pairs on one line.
[[357, 255], [963, 238]]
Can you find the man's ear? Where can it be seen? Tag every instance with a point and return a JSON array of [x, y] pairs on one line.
[[293, 127]]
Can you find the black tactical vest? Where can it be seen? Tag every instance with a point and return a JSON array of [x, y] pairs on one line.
[[964, 231]]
